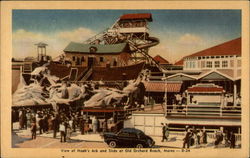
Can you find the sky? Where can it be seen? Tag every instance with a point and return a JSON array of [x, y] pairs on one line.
[[181, 32]]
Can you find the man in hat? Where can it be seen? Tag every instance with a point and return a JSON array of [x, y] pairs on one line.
[[164, 130], [187, 138], [33, 129]]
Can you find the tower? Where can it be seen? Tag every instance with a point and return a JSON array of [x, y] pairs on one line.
[[41, 51]]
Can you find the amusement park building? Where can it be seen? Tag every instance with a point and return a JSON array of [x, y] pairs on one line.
[[225, 58], [97, 55], [208, 78]]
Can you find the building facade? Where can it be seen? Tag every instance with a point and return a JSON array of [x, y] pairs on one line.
[[97, 55]]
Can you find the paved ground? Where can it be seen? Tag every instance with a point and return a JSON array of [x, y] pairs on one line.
[[22, 139]]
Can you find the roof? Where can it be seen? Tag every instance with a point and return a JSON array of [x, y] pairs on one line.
[[41, 44], [160, 86], [147, 16], [217, 75], [84, 48], [131, 130], [181, 77], [205, 88], [179, 63], [232, 47], [160, 59]]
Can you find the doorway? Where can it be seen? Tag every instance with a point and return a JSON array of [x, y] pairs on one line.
[[90, 61]]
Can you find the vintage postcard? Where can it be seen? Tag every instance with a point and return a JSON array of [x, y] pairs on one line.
[[121, 79]]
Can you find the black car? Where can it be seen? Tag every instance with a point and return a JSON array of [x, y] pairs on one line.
[[128, 137]]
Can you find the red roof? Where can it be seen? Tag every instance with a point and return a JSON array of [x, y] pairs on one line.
[[232, 47], [205, 89], [147, 16], [160, 87], [160, 59], [179, 63]]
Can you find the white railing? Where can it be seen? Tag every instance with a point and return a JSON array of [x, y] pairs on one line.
[[203, 110]]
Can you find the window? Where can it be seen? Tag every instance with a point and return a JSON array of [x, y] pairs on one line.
[[224, 63], [73, 58], [239, 63], [231, 63], [114, 62], [133, 135], [92, 49], [209, 64], [217, 57], [123, 134], [78, 61], [217, 64], [192, 64], [202, 64], [101, 59], [82, 59]]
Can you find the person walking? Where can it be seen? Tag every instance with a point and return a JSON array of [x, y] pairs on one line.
[[50, 123], [232, 140], [218, 138], [164, 130], [28, 116], [95, 124], [68, 130], [187, 138], [227, 138], [105, 126], [62, 130], [55, 122], [21, 122], [204, 136], [24, 119], [41, 125], [33, 129]]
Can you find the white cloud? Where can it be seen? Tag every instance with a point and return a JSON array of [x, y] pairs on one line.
[[189, 39], [77, 35], [24, 41]]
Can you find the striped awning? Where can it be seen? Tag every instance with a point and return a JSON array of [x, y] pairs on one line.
[[162, 87]]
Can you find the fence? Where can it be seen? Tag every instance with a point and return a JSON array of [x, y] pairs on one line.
[[203, 110]]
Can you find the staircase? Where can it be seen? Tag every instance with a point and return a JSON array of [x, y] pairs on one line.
[[99, 36], [87, 74], [152, 60]]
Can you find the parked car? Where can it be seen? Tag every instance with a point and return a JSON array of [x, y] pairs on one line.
[[128, 137]]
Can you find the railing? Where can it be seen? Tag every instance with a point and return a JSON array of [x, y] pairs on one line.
[[144, 54], [96, 37], [87, 75], [203, 110], [27, 67]]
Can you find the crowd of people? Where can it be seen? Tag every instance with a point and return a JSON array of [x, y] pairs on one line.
[[194, 137], [198, 138], [228, 100], [228, 137], [63, 122]]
